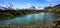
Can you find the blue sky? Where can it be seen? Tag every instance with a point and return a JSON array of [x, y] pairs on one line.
[[29, 3]]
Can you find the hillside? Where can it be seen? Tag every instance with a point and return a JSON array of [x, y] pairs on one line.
[[55, 9], [52, 9], [7, 13]]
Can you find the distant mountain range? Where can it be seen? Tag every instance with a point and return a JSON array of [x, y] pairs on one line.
[[33, 7], [4, 8], [53, 7]]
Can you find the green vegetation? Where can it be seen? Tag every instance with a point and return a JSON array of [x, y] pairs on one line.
[[11, 13], [54, 9], [8, 14]]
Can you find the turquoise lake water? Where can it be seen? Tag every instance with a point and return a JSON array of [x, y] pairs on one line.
[[30, 19]]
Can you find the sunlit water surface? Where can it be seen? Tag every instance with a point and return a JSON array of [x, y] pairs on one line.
[[30, 19]]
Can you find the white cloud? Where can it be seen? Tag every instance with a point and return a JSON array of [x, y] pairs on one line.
[[28, 4]]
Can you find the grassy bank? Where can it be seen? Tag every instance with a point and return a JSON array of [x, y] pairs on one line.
[[9, 14]]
